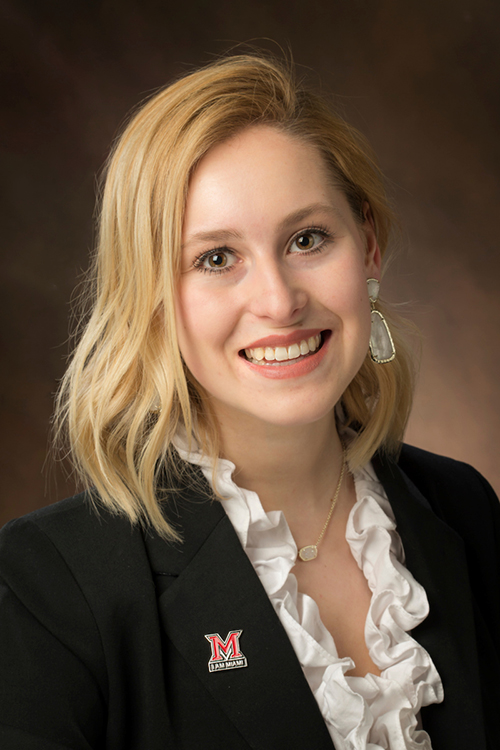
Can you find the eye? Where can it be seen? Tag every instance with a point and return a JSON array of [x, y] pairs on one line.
[[307, 241], [215, 261]]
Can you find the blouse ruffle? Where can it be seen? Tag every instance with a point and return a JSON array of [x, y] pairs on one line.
[[361, 713]]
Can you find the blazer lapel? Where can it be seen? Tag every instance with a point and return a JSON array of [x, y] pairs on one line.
[[216, 591], [435, 556]]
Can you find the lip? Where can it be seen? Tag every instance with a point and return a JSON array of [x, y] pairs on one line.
[[294, 337], [293, 368]]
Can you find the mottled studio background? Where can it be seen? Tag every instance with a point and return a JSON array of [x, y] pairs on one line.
[[420, 79]]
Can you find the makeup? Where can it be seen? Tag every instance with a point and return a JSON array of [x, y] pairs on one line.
[[289, 368]]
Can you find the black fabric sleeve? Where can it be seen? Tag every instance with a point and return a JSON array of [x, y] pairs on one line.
[[52, 681], [463, 499]]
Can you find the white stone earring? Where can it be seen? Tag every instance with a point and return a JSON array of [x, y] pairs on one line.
[[382, 348]]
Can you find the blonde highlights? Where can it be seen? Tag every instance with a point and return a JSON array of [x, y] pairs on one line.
[[126, 390]]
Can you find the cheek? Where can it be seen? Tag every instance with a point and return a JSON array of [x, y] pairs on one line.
[[200, 325], [188, 324], [361, 312], [346, 294]]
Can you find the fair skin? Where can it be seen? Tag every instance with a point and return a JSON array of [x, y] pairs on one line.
[[273, 321]]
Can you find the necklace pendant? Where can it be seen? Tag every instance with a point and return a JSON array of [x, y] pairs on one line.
[[308, 553]]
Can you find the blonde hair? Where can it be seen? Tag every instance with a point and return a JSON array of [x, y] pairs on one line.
[[126, 390]]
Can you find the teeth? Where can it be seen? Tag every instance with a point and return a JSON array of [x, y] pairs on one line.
[[284, 353], [281, 353], [259, 353], [269, 354]]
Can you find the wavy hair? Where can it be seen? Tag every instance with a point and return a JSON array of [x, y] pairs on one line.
[[126, 390]]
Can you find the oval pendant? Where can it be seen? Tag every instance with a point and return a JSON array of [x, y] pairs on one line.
[[308, 553]]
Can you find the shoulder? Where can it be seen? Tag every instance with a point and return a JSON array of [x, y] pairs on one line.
[[437, 468], [450, 486], [77, 529], [73, 556], [82, 511], [463, 499], [451, 490]]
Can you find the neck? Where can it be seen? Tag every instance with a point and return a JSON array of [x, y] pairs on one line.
[[294, 469]]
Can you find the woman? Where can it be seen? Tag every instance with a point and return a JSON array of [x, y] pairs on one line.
[[250, 566]]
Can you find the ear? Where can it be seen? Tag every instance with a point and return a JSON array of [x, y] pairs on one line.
[[373, 257]]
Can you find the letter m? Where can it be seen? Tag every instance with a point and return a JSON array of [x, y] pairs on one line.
[[222, 650]]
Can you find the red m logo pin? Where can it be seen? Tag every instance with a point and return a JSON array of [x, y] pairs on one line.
[[226, 653]]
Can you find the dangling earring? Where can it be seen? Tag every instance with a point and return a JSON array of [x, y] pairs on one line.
[[382, 348]]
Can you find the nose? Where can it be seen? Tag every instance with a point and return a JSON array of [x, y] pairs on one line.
[[276, 293]]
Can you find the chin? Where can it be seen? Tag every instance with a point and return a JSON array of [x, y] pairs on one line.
[[291, 416]]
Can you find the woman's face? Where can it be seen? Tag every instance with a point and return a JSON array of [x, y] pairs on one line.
[[272, 308]]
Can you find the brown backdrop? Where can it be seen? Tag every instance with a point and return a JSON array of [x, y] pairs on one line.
[[421, 80]]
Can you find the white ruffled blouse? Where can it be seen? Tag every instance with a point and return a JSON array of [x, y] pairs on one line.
[[361, 713]]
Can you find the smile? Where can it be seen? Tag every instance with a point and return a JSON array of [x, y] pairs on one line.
[[273, 355]]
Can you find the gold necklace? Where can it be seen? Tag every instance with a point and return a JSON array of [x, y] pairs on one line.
[[310, 551]]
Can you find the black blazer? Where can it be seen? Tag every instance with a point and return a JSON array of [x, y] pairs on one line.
[[102, 625]]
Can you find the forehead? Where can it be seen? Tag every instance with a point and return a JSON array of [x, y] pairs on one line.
[[259, 171], [256, 142]]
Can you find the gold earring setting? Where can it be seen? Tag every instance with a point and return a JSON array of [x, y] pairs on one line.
[[382, 349]]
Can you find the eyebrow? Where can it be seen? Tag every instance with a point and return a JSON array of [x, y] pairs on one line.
[[304, 213], [224, 235], [217, 235]]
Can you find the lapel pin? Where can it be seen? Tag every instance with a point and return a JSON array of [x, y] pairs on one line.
[[226, 652]]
